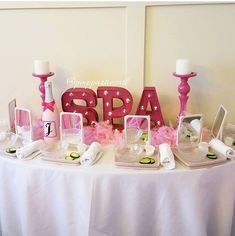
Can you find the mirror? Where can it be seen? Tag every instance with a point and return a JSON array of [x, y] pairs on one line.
[[71, 128], [137, 129], [137, 151], [217, 128], [23, 124], [11, 111], [189, 131]]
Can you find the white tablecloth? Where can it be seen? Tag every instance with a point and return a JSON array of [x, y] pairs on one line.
[[42, 199]]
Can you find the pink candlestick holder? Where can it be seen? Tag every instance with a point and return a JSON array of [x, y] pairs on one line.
[[184, 89], [43, 79]]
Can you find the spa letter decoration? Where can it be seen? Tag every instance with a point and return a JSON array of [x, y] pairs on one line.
[[149, 95], [109, 111], [88, 95]]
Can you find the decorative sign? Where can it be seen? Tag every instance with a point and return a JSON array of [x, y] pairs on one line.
[[149, 96], [108, 94]]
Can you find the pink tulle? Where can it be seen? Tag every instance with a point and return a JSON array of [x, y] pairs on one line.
[[118, 139], [100, 132], [164, 134], [103, 133], [37, 125]]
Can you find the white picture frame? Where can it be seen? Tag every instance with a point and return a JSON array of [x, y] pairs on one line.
[[137, 116], [75, 115], [30, 123], [192, 117]]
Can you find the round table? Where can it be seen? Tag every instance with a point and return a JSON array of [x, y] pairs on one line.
[[41, 198]]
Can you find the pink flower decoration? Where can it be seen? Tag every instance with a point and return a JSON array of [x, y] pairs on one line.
[[37, 126], [164, 134], [89, 134], [100, 132], [103, 133], [118, 140]]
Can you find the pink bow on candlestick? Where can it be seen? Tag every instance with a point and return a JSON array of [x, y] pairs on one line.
[[48, 105], [184, 89]]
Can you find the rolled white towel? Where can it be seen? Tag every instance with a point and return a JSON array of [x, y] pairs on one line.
[[92, 155], [221, 148], [167, 158], [27, 150]]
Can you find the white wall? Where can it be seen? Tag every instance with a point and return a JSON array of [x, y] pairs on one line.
[[133, 44], [203, 33]]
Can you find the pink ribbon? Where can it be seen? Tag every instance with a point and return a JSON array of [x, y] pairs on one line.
[[48, 105]]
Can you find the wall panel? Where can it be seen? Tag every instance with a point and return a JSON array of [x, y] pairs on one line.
[[129, 44], [202, 33], [86, 46]]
